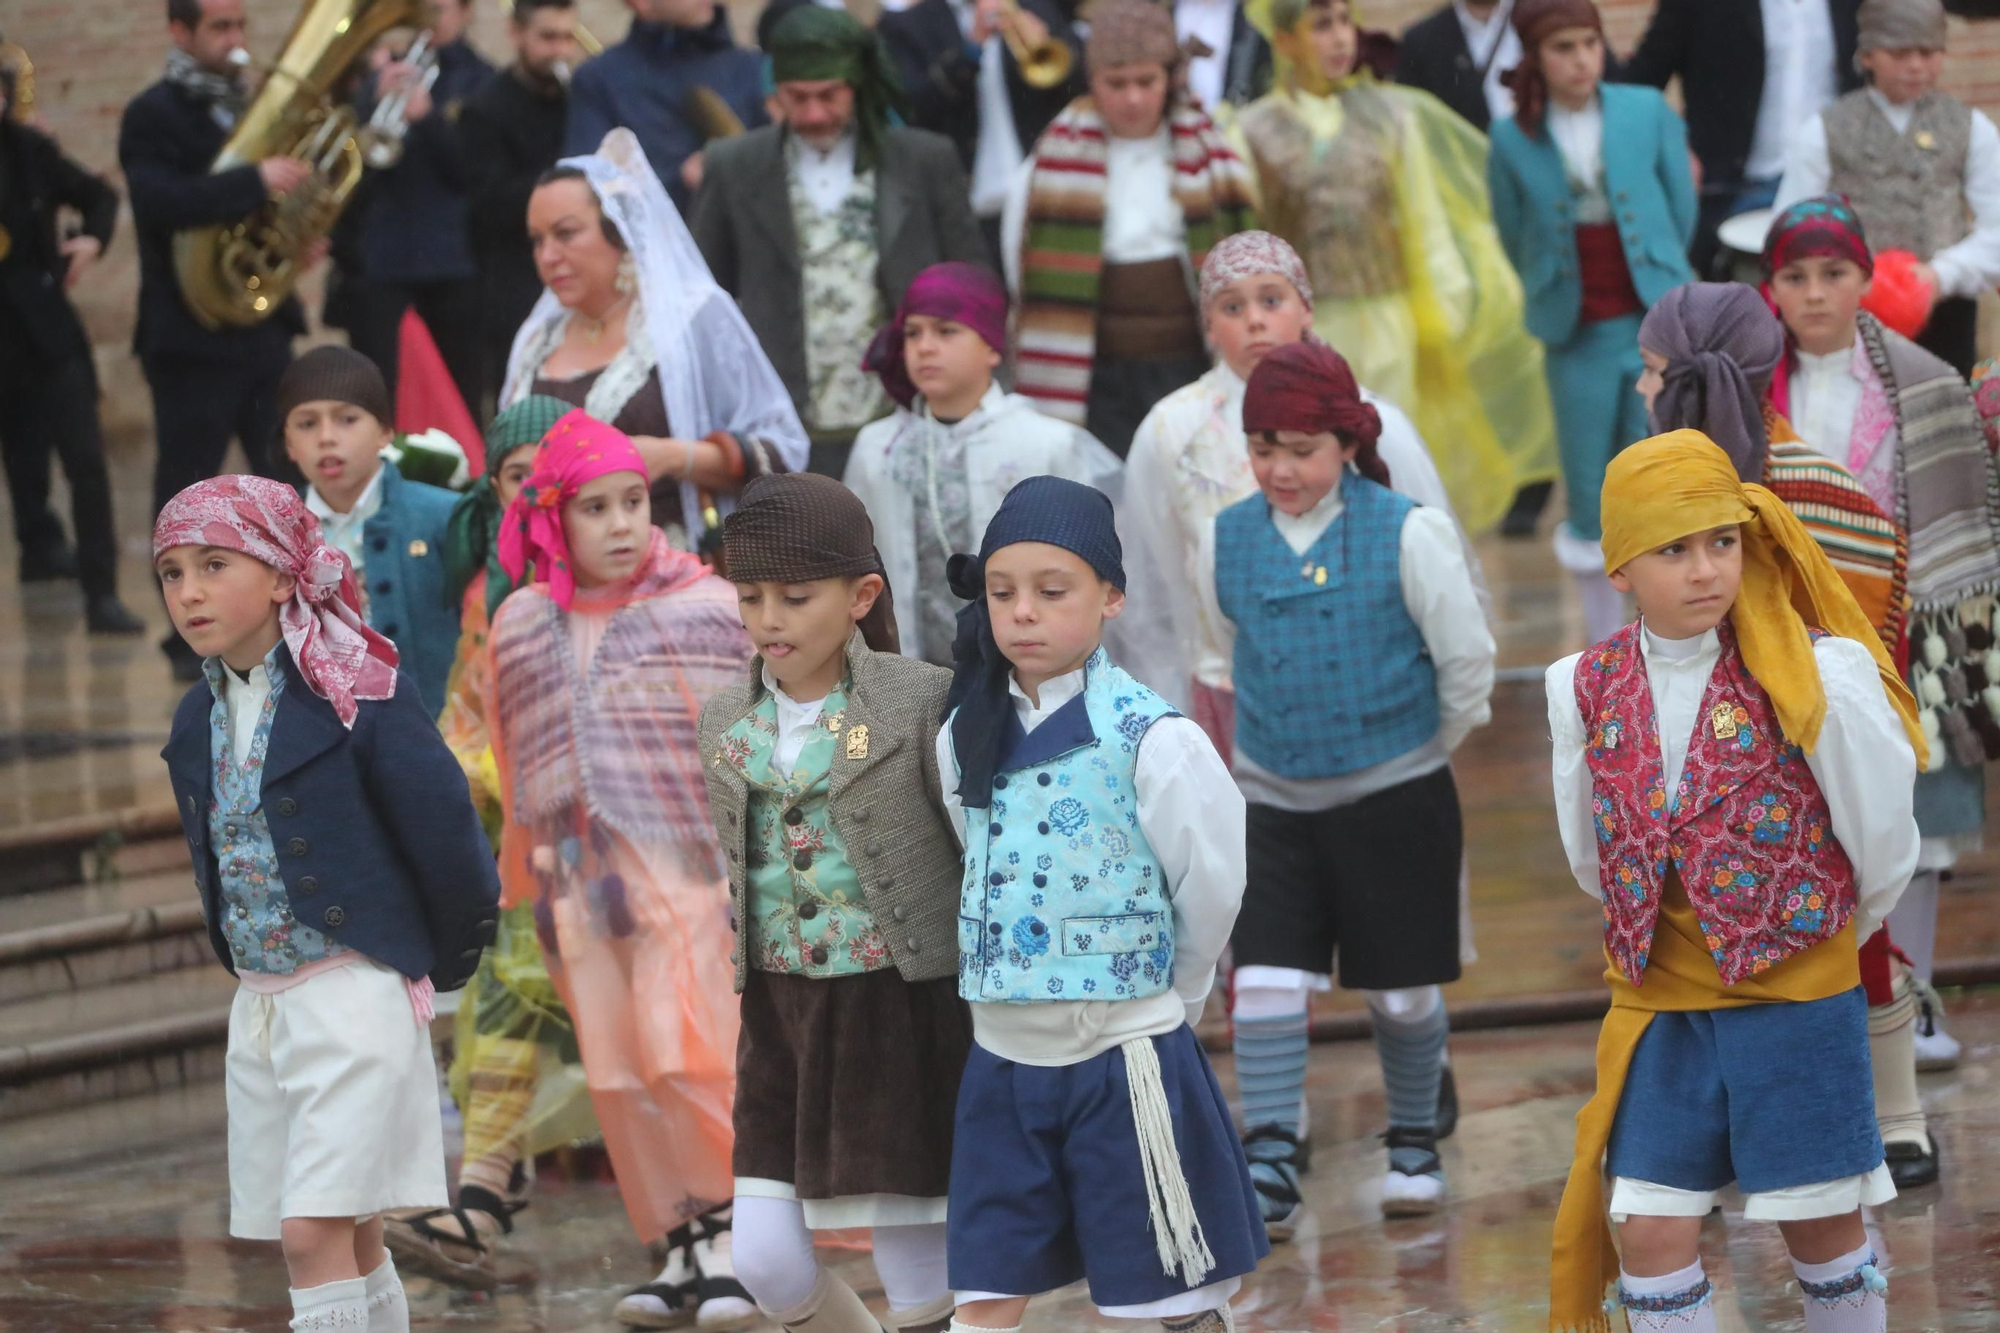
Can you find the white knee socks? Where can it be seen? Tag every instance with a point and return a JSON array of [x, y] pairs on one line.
[[1846, 1295], [388, 1308], [1671, 1303], [1892, 1053], [331, 1307], [910, 1261]]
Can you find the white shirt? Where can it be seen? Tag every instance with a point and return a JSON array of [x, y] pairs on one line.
[[1799, 80], [1482, 36], [1142, 219], [1579, 137], [997, 151], [1825, 395], [826, 177], [1438, 593], [244, 698], [1965, 269], [1862, 761], [1192, 817], [1212, 23], [343, 531], [1188, 462], [797, 723]]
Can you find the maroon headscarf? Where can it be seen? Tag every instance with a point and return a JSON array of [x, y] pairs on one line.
[[964, 293], [1534, 20], [1307, 386]]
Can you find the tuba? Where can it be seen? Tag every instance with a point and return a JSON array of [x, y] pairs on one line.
[[237, 274]]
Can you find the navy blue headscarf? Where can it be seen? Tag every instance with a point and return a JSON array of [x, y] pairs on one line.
[[1053, 510]]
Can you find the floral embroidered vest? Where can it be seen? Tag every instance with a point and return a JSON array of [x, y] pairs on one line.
[[1747, 830], [808, 913]]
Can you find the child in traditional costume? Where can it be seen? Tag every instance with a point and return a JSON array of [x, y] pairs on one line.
[[1107, 225], [1904, 423], [600, 670], [1596, 204], [514, 1074], [1920, 168], [1355, 835], [1710, 351], [337, 418], [1103, 868], [1189, 462], [843, 868], [344, 878], [1731, 778], [933, 474], [1382, 190]]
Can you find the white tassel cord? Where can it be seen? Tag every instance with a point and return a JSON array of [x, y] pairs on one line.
[[1176, 1228]]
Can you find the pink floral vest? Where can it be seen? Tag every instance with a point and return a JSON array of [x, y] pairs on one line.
[[1747, 831]]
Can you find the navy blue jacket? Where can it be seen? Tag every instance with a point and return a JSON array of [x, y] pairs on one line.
[[378, 844], [166, 144], [643, 83], [402, 569], [415, 227]]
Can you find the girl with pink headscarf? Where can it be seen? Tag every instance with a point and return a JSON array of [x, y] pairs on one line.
[[602, 660]]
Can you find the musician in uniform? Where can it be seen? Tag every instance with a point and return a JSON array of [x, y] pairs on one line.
[[511, 132], [48, 383], [416, 249], [647, 83], [208, 384], [866, 206]]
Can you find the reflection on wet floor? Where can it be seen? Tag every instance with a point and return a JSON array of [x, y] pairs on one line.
[[116, 1218]]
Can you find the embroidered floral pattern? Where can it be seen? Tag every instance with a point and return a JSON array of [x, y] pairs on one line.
[[843, 307], [1747, 829]]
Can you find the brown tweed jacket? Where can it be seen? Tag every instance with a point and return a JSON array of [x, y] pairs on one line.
[[888, 806]]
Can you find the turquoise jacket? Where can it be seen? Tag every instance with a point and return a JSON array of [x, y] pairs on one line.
[[1653, 201], [403, 567]]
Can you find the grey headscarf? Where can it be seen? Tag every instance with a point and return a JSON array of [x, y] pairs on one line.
[[1896, 25], [1722, 344]]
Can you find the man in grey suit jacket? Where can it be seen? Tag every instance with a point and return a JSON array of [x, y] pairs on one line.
[[865, 206]]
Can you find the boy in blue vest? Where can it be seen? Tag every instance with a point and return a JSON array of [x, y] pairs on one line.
[[1103, 869], [337, 418], [1360, 660]]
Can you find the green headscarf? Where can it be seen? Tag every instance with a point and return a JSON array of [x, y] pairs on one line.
[[813, 43], [471, 533]]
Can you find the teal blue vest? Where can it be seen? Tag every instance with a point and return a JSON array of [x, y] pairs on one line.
[[1332, 675], [1063, 898]]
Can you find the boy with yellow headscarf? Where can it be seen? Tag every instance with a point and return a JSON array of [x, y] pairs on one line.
[[1732, 779]]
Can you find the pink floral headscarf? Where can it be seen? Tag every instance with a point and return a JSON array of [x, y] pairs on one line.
[[339, 657], [1235, 258], [577, 451]]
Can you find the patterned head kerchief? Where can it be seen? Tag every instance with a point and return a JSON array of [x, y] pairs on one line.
[[813, 43], [964, 293], [1823, 225], [1249, 252], [1132, 32], [1307, 386], [798, 527], [471, 535], [577, 451], [338, 656], [1900, 25]]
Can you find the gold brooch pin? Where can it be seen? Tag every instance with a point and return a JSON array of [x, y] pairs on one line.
[[1319, 577], [420, 547], [1723, 720], [857, 742], [1926, 140]]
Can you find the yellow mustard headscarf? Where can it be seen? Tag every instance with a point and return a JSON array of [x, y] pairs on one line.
[[1665, 488]]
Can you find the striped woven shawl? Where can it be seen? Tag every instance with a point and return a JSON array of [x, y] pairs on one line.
[[1062, 248]]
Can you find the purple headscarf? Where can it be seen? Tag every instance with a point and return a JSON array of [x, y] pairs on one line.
[[1722, 345], [964, 293]]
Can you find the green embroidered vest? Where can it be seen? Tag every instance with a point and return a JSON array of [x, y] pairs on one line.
[[808, 913]]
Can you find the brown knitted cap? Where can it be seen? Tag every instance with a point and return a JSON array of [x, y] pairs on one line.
[[338, 375], [1132, 32], [798, 527], [1901, 25]]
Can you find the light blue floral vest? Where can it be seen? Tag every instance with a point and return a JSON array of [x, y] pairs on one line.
[[1063, 897]]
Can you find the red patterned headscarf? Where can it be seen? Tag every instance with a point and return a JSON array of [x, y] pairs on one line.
[[577, 451], [1307, 386], [338, 656], [1823, 226]]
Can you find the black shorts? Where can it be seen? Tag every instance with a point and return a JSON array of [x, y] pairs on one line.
[[1375, 882]]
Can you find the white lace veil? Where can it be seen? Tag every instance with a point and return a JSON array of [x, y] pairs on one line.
[[713, 372]]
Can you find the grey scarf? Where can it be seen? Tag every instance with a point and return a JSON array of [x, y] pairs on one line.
[[223, 94]]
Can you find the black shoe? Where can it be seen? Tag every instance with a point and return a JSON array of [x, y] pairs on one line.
[[48, 564], [108, 615], [1447, 1108], [1526, 510], [1910, 1166]]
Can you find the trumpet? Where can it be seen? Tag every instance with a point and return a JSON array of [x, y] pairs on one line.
[[1043, 65], [382, 137]]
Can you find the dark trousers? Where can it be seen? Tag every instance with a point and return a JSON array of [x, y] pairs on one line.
[[51, 410], [1952, 334], [1123, 392], [452, 310], [199, 405]]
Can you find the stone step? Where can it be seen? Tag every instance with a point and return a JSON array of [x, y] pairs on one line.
[[90, 847], [69, 940]]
